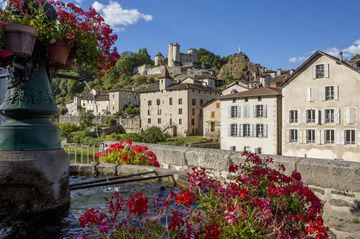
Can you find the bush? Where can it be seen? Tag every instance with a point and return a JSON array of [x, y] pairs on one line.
[[153, 135], [67, 129], [80, 136], [110, 121], [257, 201]]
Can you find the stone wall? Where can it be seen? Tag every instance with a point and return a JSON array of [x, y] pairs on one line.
[[130, 125], [336, 182]]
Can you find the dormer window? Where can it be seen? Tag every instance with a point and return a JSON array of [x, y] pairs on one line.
[[320, 71]]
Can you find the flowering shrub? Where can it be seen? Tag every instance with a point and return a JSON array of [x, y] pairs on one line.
[[85, 32], [124, 152], [256, 202]]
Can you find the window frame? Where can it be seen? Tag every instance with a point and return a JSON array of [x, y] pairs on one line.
[[320, 73], [331, 90], [313, 136], [352, 140], [293, 132], [293, 120], [332, 136]]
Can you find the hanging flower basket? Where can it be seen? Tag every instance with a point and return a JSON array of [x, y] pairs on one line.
[[58, 54], [20, 39]]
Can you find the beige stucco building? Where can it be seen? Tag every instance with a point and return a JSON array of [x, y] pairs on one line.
[[121, 98], [211, 119], [251, 121], [176, 108], [321, 105]]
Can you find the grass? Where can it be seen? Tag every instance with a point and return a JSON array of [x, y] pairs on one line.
[[182, 141], [83, 154]]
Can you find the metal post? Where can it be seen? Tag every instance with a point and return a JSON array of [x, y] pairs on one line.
[[81, 154], [87, 151], [75, 152]]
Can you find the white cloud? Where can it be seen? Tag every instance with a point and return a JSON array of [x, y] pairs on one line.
[[348, 51], [116, 16]]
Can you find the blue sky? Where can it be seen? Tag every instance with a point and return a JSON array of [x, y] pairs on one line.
[[276, 34]]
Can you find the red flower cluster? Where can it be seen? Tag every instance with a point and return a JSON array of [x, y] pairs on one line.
[[185, 198], [127, 153], [137, 204]]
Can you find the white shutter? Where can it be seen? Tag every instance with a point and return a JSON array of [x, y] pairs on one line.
[[252, 130], [347, 115], [326, 70], [300, 116], [301, 136], [265, 111], [246, 111], [323, 94], [229, 111], [254, 111], [238, 112], [358, 138], [337, 116], [229, 133], [318, 137], [336, 92], [241, 126], [352, 116], [312, 94], [338, 137], [314, 71], [265, 130], [323, 117], [287, 132], [287, 115], [308, 94]]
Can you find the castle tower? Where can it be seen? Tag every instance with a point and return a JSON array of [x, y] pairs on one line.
[[170, 55], [159, 59], [165, 79], [176, 53]]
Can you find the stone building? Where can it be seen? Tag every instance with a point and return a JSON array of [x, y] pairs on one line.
[[174, 107], [251, 120], [211, 119], [177, 58], [321, 105], [99, 107], [120, 98], [237, 86], [159, 59]]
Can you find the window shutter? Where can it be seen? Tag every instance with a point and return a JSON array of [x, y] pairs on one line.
[[265, 130], [358, 138], [309, 94], [287, 115], [254, 111], [312, 94], [326, 70], [229, 111], [246, 111], [314, 71], [265, 111], [287, 136], [252, 129], [336, 92], [318, 136], [229, 133], [321, 136], [300, 116], [241, 126], [337, 116], [301, 134], [338, 137], [323, 116], [238, 112], [347, 115], [352, 116], [323, 94]]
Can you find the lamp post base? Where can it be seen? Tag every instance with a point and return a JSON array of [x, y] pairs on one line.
[[34, 190]]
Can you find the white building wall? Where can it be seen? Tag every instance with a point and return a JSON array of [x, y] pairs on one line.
[[268, 143], [235, 87], [295, 97]]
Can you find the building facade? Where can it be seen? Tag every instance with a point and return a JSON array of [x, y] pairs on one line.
[[237, 86], [212, 119], [174, 107], [251, 121], [121, 98], [321, 106]]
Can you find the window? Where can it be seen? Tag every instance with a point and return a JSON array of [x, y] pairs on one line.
[[159, 111], [149, 102], [329, 116], [259, 98], [158, 102], [180, 101], [319, 71], [159, 120], [246, 99], [170, 121], [201, 102], [233, 130], [258, 150], [259, 130], [193, 101], [233, 111], [212, 126], [310, 116], [180, 121], [170, 101], [293, 135], [246, 130], [233, 148], [148, 112], [246, 111], [180, 111], [350, 115], [246, 148], [149, 120], [329, 136], [193, 111], [293, 116], [217, 105], [201, 113], [212, 114], [329, 92], [350, 136], [259, 111], [310, 136], [192, 121]]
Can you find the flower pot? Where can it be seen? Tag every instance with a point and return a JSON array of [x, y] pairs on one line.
[[20, 39], [58, 54]]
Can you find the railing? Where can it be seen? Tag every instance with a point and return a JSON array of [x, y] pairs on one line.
[[83, 153]]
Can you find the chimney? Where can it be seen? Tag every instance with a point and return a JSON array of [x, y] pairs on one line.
[[341, 56]]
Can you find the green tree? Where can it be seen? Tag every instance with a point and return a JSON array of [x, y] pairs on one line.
[[67, 129], [153, 135], [356, 57], [86, 119]]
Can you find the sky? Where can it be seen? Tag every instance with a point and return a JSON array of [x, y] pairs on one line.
[[275, 34]]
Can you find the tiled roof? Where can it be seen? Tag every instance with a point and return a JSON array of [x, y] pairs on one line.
[[175, 86], [121, 89], [165, 74], [261, 91]]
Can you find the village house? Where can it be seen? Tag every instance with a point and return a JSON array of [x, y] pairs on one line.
[[174, 107], [237, 86], [121, 98], [321, 105], [211, 119], [251, 121]]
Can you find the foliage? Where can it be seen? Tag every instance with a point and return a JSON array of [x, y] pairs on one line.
[[181, 141], [86, 119], [215, 61], [124, 152], [153, 135], [80, 136], [257, 201], [128, 110], [111, 121], [356, 57], [143, 80], [67, 129]]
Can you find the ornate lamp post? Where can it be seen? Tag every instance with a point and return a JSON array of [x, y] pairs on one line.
[[34, 178]]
